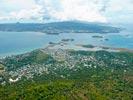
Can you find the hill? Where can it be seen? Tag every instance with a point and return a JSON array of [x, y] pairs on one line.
[[67, 75]]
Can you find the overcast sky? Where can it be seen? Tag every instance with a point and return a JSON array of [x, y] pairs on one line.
[[62, 10]]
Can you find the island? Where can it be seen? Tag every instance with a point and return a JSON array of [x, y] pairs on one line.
[[60, 27]]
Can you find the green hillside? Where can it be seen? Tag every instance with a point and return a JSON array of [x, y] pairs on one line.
[[68, 75]]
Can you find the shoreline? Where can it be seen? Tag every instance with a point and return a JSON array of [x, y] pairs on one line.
[[77, 47]]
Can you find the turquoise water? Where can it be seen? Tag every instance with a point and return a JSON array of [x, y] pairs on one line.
[[20, 42]]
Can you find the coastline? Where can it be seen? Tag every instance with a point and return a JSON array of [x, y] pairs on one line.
[[64, 45]]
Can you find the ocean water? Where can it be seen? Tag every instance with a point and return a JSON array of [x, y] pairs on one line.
[[20, 42]]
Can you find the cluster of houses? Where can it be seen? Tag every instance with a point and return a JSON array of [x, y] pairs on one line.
[[64, 61]]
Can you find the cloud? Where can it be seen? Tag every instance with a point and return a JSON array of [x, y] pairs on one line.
[[24, 14], [34, 13], [73, 10], [49, 10], [60, 10], [120, 11], [20, 10], [118, 5]]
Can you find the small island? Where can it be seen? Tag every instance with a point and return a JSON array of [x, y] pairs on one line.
[[67, 40], [96, 36]]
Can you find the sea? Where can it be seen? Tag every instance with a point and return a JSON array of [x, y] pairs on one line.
[[12, 43]]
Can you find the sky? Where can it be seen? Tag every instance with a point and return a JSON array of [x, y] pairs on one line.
[[105, 11]]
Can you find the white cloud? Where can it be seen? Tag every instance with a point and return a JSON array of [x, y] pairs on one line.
[[59, 10], [118, 5], [52, 10], [79, 10], [34, 13], [120, 11], [74, 10], [17, 4], [20, 10]]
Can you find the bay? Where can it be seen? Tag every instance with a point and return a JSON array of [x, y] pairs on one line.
[[20, 42]]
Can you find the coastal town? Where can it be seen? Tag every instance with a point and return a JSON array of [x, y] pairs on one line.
[[59, 63]]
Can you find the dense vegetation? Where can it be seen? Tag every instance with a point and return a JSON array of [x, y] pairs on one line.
[[96, 75], [18, 61]]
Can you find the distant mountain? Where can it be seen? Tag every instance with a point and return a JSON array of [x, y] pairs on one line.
[[60, 27]]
